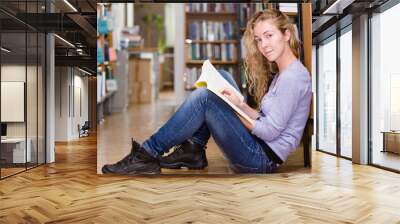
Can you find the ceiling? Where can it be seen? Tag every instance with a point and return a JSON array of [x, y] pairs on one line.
[[22, 20], [332, 15]]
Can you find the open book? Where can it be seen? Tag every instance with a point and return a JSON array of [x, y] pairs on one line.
[[214, 81]]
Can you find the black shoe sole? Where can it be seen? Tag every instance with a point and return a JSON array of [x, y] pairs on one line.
[[143, 173], [179, 165], [104, 170]]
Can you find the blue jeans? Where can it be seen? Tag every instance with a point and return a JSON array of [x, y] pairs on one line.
[[203, 114]]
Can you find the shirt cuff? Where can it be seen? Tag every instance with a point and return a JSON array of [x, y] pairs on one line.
[[257, 129]]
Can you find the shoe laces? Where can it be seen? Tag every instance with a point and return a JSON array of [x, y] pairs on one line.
[[174, 151], [178, 148]]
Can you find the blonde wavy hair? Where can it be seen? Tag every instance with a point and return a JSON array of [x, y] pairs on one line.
[[258, 69]]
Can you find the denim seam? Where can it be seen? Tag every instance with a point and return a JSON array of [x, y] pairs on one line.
[[154, 152], [197, 141], [191, 118]]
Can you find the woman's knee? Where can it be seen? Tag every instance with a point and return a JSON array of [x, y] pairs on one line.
[[204, 95], [199, 93], [228, 77]]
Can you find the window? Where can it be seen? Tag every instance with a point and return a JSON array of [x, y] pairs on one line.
[[326, 94], [22, 75], [346, 92], [385, 89]]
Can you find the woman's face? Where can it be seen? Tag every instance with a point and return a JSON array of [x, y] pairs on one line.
[[271, 42]]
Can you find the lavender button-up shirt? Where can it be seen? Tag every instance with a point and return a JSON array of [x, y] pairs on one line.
[[284, 110]]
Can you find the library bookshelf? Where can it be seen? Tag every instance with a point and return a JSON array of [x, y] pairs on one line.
[[211, 32]]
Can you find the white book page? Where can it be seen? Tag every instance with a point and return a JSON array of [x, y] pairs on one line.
[[211, 78]]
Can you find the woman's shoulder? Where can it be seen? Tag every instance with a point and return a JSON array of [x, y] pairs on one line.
[[297, 72]]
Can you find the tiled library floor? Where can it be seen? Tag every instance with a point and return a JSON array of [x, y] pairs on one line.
[[139, 122]]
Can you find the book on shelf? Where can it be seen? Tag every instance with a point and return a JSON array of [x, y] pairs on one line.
[[112, 54], [111, 85], [101, 86], [288, 7], [213, 80], [126, 43], [100, 54], [130, 37], [246, 11], [102, 26], [210, 7], [211, 30], [221, 52], [106, 51]]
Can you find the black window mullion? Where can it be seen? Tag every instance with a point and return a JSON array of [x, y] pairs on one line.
[[73, 92], [317, 97], [369, 96], [37, 90], [45, 94], [0, 95], [338, 124], [26, 86]]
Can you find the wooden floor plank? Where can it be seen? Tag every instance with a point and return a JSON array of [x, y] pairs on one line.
[[70, 191]]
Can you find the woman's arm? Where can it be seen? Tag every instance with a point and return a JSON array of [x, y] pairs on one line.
[[246, 123], [253, 114]]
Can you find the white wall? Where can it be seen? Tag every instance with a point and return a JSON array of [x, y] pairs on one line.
[[80, 104], [15, 73], [71, 96], [50, 95], [61, 103], [118, 14], [12, 101], [130, 16], [33, 126], [170, 10], [179, 59]]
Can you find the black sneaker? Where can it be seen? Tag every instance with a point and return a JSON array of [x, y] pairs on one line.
[[138, 161], [188, 154]]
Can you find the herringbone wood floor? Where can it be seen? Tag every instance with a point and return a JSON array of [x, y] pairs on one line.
[[70, 191]]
